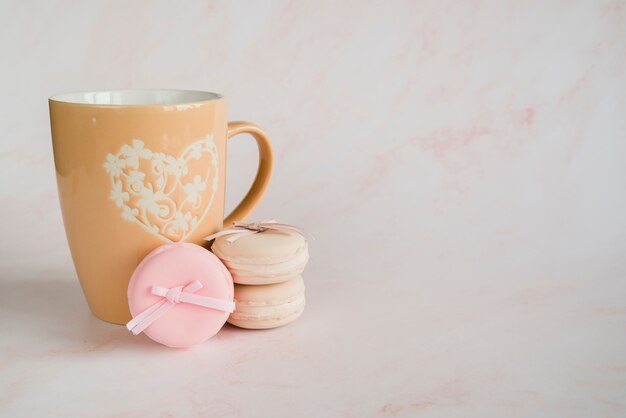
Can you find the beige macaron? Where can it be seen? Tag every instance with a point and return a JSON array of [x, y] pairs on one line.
[[263, 258], [268, 306]]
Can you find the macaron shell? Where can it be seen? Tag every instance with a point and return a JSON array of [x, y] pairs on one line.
[[263, 258], [268, 247], [268, 306], [174, 265], [279, 320]]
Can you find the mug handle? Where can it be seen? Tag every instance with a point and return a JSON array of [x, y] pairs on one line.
[[263, 174]]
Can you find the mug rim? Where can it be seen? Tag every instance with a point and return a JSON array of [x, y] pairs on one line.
[[132, 97]]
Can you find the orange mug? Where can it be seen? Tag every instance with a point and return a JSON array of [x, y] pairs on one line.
[[137, 169]]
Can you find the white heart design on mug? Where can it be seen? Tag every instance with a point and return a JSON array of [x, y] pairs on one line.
[[168, 196]]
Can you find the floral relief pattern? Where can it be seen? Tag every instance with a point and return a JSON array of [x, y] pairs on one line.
[[167, 196]]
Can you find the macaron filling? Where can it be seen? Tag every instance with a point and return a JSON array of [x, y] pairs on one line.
[[251, 273], [263, 311]]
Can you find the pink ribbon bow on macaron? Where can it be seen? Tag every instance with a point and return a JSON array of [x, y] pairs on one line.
[[241, 229], [171, 297]]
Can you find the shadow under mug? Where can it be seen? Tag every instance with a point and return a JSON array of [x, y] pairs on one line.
[[137, 169]]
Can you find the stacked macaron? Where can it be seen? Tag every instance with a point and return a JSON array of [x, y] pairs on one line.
[[266, 267]]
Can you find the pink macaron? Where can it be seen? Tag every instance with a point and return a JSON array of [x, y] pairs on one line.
[[263, 258], [174, 266]]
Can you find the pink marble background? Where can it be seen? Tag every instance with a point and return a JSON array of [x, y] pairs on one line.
[[461, 164]]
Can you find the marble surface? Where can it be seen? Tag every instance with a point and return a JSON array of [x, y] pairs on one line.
[[461, 164]]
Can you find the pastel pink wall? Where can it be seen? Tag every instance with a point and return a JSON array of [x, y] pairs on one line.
[[474, 126]]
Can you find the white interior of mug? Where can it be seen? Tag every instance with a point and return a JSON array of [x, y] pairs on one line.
[[136, 97]]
